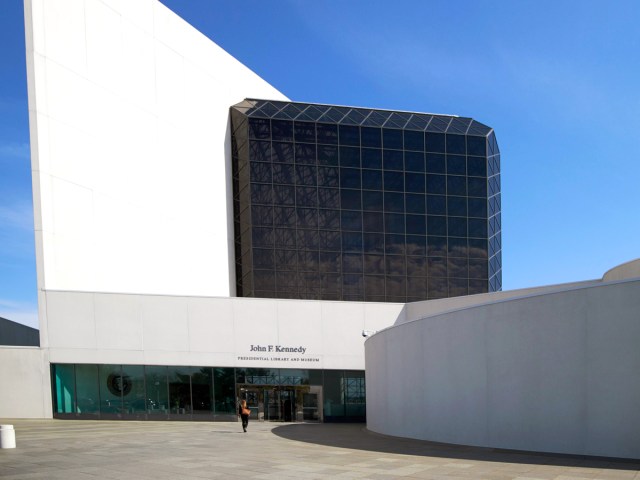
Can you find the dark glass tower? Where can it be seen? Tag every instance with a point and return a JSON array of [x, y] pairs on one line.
[[342, 203]]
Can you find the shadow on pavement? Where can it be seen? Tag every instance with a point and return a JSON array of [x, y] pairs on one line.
[[357, 437]]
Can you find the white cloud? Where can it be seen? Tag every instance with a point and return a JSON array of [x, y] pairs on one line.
[[15, 150], [17, 216]]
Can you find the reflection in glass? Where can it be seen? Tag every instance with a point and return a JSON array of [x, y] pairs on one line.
[[157, 394], [87, 390], [112, 386], [338, 187], [65, 389], [134, 394]]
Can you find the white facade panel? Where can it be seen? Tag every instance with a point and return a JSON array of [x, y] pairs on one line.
[[130, 156], [209, 331], [26, 385]]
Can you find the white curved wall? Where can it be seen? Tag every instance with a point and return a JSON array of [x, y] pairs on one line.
[[554, 372]]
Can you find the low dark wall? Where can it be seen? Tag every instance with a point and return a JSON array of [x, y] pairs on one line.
[[16, 334]]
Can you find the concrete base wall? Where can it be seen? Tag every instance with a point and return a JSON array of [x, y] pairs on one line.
[[25, 389], [556, 372]]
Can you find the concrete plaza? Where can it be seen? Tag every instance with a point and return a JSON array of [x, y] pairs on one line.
[[61, 449]]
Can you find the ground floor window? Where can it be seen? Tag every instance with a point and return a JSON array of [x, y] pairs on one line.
[[163, 392]]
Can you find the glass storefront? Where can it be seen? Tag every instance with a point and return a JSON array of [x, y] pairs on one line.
[[153, 392]]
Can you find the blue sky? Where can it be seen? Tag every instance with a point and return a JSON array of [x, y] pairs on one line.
[[558, 81]]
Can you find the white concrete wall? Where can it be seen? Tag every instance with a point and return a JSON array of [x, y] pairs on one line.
[[25, 383], [555, 372], [128, 111], [205, 331]]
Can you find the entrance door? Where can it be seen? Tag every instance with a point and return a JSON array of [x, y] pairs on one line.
[[275, 403], [279, 404]]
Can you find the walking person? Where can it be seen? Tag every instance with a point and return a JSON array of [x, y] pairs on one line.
[[244, 413]]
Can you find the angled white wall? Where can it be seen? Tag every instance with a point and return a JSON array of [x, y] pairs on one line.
[[128, 110]]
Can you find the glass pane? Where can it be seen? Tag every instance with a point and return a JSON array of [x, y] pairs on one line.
[[327, 155], [334, 408], [327, 133], [157, 395], [414, 161], [88, 396], [371, 137], [434, 142], [456, 144], [415, 203], [477, 166], [111, 388], [436, 184], [476, 146], [393, 160], [414, 182], [349, 178], [392, 138], [457, 206], [134, 392], [202, 390], [259, 128], [416, 224], [372, 200], [435, 163], [374, 264], [349, 135], [374, 285], [371, 158], [372, 179], [394, 181], [305, 153], [477, 187], [373, 242], [456, 165], [352, 262], [354, 394], [65, 389], [304, 132], [351, 199], [282, 152], [393, 202], [413, 140], [179, 390], [436, 225], [373, 221], [282, 130], [456, 185], [349, 157], [224, 392], [416, 245], [395, 244]]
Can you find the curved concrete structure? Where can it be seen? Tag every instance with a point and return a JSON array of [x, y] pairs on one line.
[[624, 271], [549, 370]]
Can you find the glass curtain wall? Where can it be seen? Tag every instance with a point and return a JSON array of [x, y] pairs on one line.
[[155, 392], [341, 203]]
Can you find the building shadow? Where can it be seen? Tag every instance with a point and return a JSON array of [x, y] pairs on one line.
[[357, 437]]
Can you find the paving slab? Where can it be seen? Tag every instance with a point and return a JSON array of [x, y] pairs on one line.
[[86, 449]]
